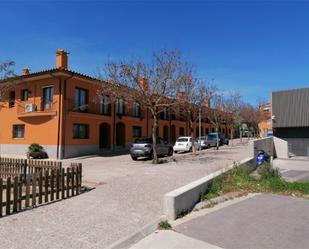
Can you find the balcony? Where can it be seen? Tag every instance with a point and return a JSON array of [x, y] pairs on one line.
[[28, 110]]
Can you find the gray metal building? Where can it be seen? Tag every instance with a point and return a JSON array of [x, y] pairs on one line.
[[290, 116]]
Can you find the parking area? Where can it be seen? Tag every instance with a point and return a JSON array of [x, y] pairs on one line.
[[129, 196]]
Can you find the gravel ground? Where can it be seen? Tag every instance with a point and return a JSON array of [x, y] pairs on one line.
[[129, 197]]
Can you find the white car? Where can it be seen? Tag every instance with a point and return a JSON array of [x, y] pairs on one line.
[[184, 144]]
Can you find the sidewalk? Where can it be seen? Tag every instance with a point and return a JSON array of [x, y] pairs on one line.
[[255, 221], [293, 169], [166, 239]]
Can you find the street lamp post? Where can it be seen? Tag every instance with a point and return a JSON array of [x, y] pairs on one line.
[[200, 127]]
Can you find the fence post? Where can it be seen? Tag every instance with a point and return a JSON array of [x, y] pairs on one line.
[[40, 186], [68, 182], [57, 184], [46, 187], [25, 169], [73, 180], [62, 184], [1, 196], [27, 191], [52, 190], [15, 194], [20, 192], [8, 196]]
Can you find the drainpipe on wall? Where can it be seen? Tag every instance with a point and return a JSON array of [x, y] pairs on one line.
[[147, 122], [64, 114], [60, 113], [114, 126]]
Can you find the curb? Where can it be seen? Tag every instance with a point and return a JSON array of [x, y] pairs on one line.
[[217, 200], [134, 237], [182, 200]]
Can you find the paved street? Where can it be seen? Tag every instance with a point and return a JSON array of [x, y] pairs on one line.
[[256, 221], [262, 221], [129, 197]]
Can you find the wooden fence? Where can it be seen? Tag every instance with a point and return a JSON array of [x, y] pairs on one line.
[[39, 187], [12, 167]]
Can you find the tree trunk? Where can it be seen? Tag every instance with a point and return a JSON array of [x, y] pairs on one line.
[[192, 136], [240, 134], [232, 136], [217, 145], [154, 140]]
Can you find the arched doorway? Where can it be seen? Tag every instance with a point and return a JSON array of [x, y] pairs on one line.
[[105, 135], [120, 134], [165, 132]]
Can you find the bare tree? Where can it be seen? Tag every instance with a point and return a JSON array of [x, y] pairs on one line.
[[153, 85], [250, 116], [216, 113], [192, 97], [233, 104], [6, 72]]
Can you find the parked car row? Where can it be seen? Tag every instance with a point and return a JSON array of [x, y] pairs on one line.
[[143, 147]]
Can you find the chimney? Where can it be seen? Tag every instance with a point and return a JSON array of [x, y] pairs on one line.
[[61, 59], [222, 106], [207, 103], [143, 84], [26, 71]]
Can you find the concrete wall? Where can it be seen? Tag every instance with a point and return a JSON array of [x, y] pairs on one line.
[[265, 144], [80, 150], [281, 148], [20, 150], [298, 146], [272, 146], [182, 200]]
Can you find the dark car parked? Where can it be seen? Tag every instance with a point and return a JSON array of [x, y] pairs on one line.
[[222, 138], [143, 147]]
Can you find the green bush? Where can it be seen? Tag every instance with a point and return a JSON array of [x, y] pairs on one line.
[[36, 151], [35, 148]]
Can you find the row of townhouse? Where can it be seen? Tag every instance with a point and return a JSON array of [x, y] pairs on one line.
[[60, 109]]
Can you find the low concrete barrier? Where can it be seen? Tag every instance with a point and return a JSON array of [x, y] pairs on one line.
[[182, 200], [281, 148], [266, 144]]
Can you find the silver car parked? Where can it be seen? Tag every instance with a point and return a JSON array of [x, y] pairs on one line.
[[143, 147], [205, 143]]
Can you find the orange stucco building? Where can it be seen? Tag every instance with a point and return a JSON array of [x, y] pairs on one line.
[[265, 122], [60, 109]]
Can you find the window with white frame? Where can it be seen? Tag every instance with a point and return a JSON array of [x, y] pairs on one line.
[[136, 131], [105, 105], [81, 99], [120, 106], [81, 131], [136, 109], [19, 131]]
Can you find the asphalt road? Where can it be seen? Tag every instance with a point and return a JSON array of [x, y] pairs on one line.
[[262, 221]]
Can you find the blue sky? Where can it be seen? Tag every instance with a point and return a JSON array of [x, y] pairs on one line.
[[253, 47]]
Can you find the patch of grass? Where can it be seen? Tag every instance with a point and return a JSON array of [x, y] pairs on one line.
[[164, 225], [269, 180]]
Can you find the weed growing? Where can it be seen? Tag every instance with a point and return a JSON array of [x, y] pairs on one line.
[[269, 180], [164, 225]]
